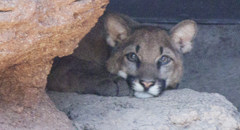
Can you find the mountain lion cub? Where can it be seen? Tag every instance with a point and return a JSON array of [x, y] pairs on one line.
[[146, 56]]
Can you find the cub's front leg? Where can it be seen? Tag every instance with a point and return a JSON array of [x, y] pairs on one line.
[[70, 74]]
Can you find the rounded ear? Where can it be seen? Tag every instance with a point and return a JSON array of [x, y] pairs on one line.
[[117, 29], [182, 35]]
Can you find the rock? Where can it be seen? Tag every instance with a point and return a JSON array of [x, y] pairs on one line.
[[32, 33], [44, 117], [173, 110]]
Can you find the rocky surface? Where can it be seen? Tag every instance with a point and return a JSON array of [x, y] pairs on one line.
[[32, 33], [173, 110], [44, 116]]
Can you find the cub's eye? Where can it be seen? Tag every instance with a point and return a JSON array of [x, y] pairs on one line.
[[164, 60], [132, 57]]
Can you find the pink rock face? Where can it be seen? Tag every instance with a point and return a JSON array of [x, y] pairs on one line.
[[32, 33]]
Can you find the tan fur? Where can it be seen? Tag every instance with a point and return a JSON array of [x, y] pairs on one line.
[[150, 38], [110, 43]]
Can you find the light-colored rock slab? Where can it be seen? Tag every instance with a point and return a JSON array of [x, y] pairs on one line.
[[173, 110]]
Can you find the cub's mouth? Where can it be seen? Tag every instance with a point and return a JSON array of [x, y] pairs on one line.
[[144, 88]]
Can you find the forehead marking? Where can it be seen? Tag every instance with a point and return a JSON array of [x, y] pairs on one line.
[[161, 50], [137, 48]]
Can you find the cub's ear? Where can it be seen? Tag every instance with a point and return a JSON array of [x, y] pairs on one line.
[[182, 35], [117, 29]]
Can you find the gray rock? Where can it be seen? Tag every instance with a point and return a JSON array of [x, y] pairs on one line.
[[173, 110]]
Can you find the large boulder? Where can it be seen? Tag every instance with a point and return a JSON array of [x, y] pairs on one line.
[[32, 33], [173, 110]]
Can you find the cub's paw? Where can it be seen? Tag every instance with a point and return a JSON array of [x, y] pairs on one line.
[[112, 87]]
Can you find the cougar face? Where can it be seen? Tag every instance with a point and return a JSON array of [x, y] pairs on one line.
[[147, 56]]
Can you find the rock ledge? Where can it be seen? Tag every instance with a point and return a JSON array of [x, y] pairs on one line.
[[174, 110]]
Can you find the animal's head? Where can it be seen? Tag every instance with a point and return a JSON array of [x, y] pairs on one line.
[[147, 56]]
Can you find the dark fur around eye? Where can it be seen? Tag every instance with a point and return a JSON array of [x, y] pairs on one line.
[[132, 57], [163, 61]]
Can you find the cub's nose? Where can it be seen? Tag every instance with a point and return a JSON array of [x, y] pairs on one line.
[[146, 84]]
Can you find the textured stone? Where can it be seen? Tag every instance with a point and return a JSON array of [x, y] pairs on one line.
[[173, 110], [43, 117], [32, 33]]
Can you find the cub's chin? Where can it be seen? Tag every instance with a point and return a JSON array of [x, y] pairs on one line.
[[153, 91], [140, 91]]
